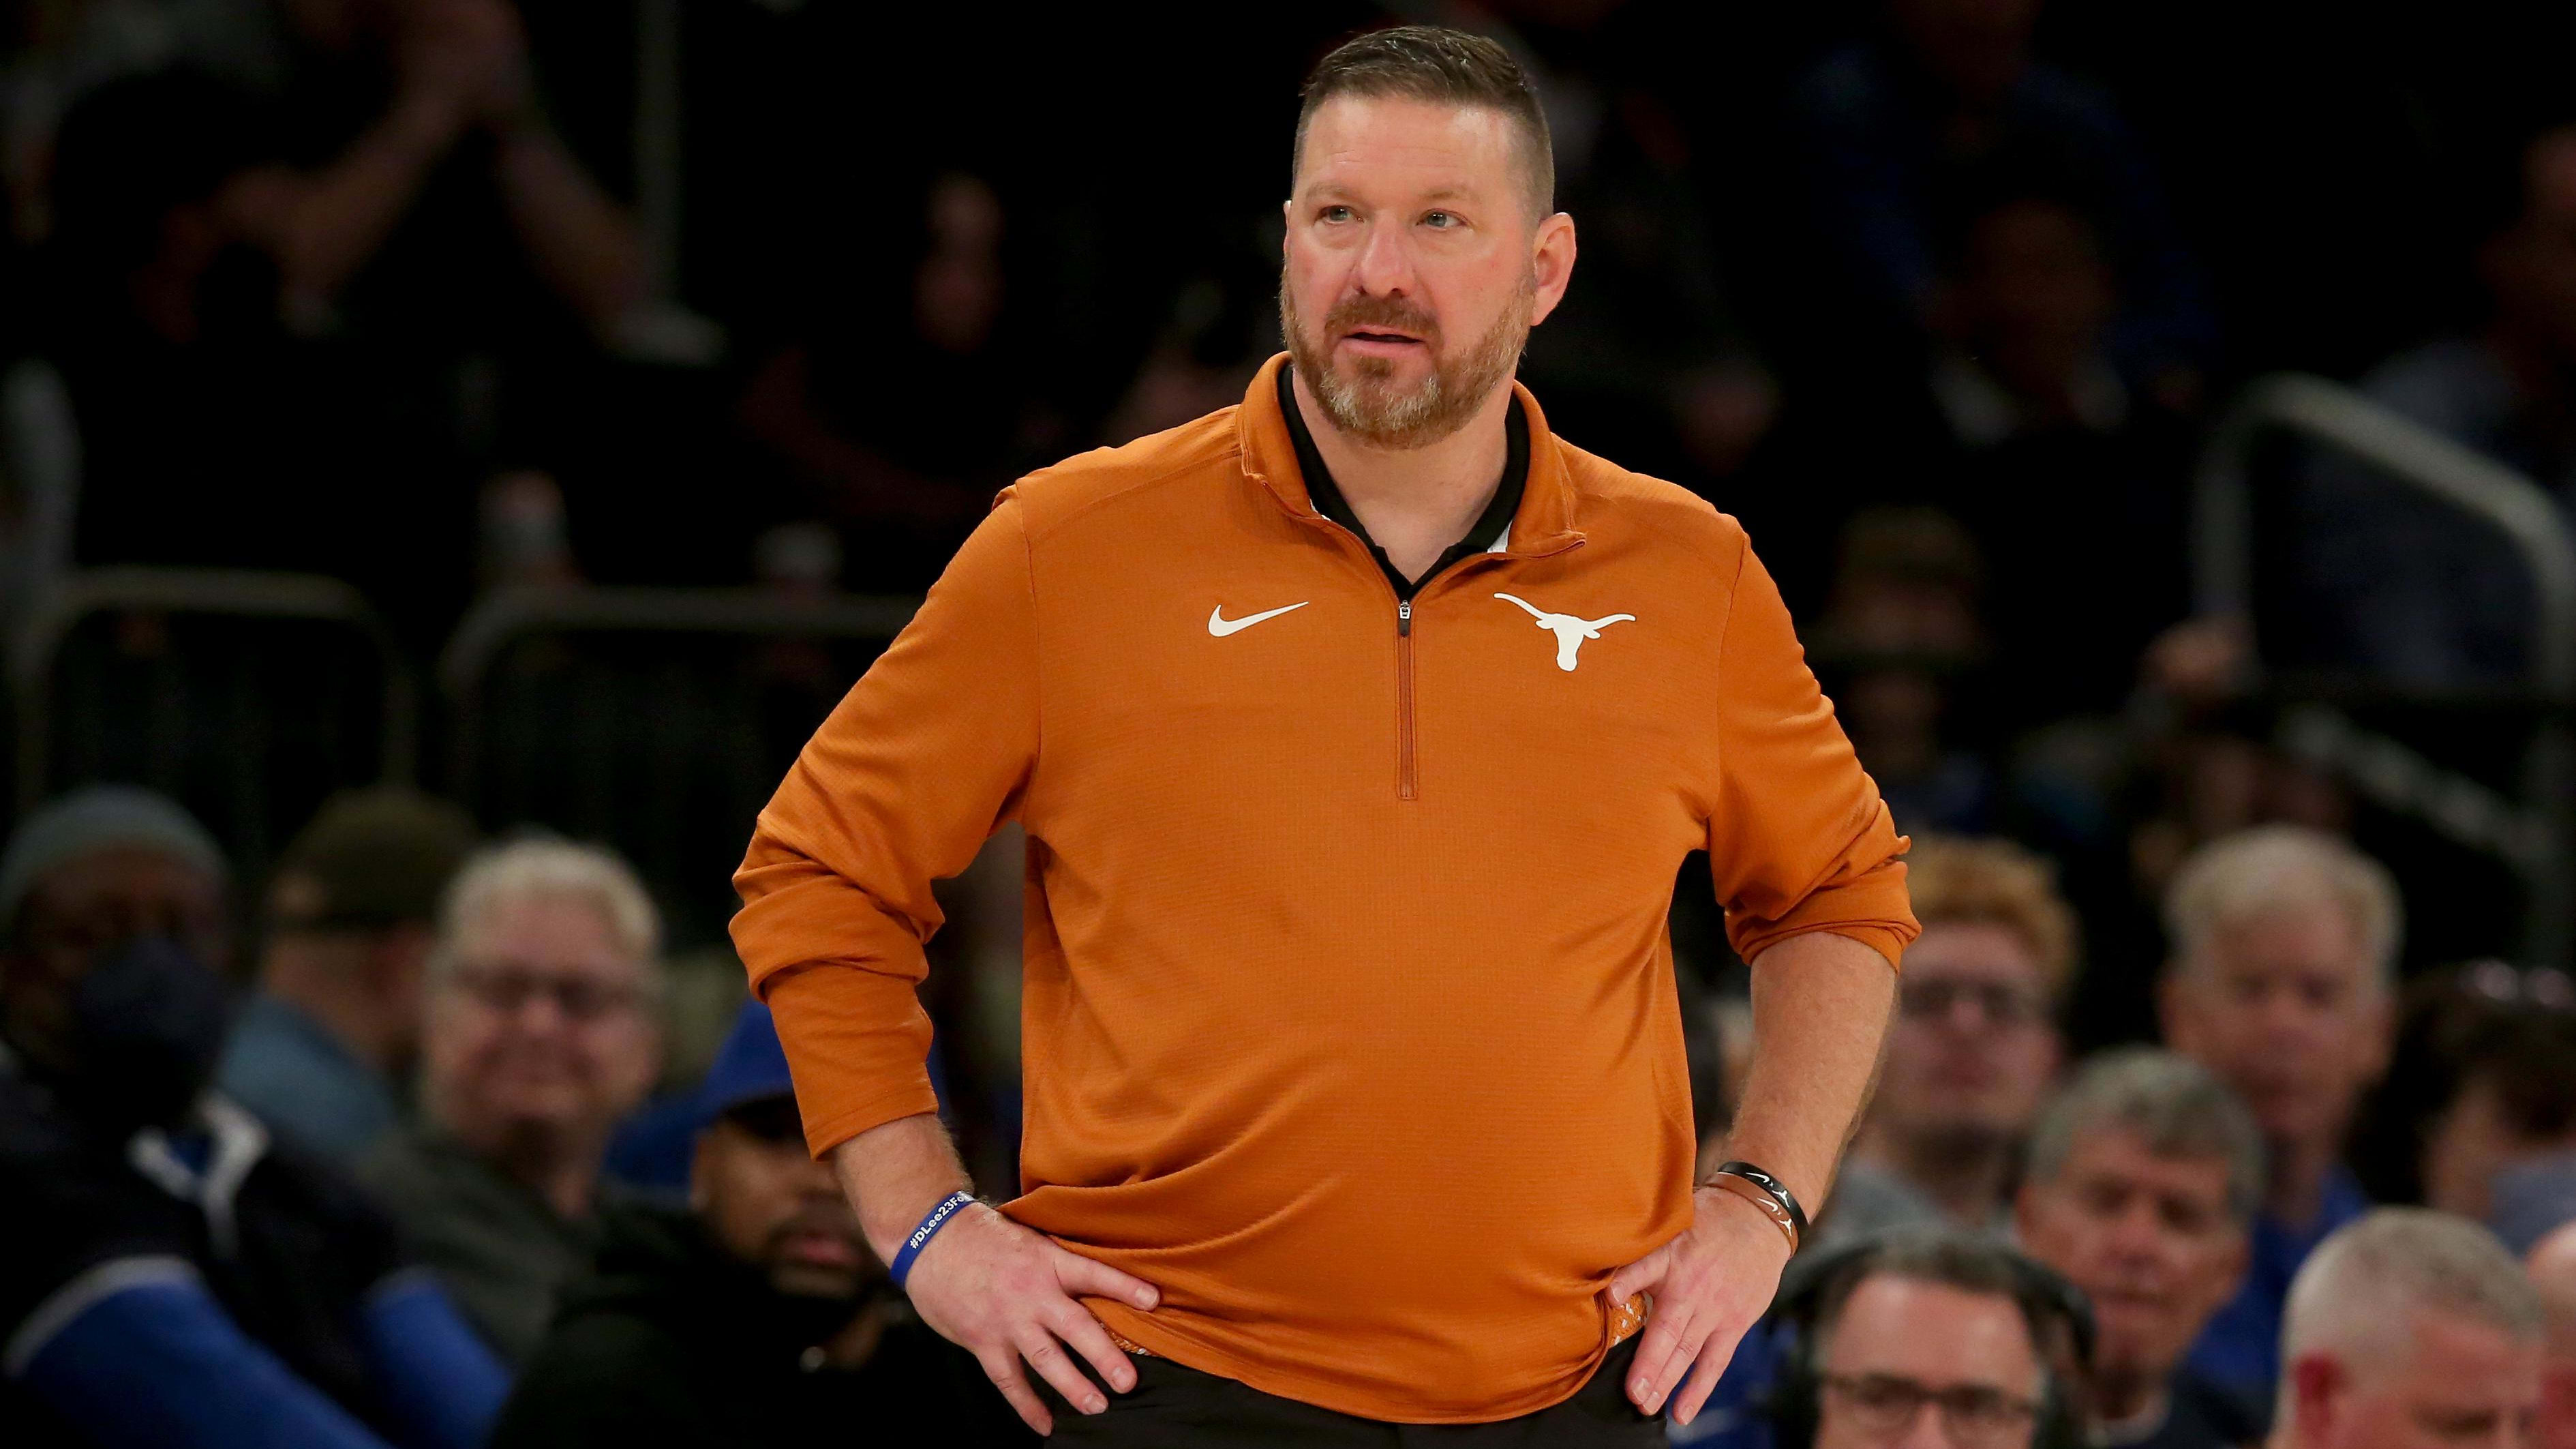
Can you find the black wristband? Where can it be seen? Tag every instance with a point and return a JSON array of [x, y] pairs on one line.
[[1772, 1188]]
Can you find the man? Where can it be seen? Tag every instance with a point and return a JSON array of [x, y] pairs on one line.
[[1928, 1339], [172, 1278], [542, 1033], [1901, 128], [2144, 1179], [336, 1021], [2409, 1329], [2284, 943], [2552, 1266], [2414, 591], [759, 1317], [1975, 1044], [1359, 733]]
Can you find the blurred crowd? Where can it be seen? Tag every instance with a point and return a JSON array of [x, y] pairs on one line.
[[427, 1135], [425, 1140], [1941, 297]]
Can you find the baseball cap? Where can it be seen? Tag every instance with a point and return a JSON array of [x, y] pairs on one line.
[[751, 1066], [370, 859]]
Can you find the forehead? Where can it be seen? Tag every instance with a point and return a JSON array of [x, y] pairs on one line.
[[1935, 1333], [2113, 1150], [2455, 1361], [1985, 950], [2307, 936], [1399, 145], [127, 873], [545, 929]]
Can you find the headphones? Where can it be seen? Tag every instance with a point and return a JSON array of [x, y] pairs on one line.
[[2058, 1315]]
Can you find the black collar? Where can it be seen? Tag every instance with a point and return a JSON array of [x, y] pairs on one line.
[[1327, 495]]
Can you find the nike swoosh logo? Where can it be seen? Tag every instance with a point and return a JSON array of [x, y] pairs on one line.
[[1220, 625]]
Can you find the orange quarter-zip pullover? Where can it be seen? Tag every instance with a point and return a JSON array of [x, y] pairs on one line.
[[1349, 1018]]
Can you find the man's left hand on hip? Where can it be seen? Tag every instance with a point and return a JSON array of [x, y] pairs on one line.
[[1708, 1285]]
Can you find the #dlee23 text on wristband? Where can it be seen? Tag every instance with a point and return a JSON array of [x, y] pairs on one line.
[[931, 1223]]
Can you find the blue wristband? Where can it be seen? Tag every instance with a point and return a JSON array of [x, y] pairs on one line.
[[901, 1267]]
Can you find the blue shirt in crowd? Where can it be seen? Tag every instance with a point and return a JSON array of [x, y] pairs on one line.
[[2240, 1350], [291, 1072]]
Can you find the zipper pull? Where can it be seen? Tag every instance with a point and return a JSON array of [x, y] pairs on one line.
[[1404, 616]]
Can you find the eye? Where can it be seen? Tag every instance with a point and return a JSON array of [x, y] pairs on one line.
[[1441, 220], [1335, 213]]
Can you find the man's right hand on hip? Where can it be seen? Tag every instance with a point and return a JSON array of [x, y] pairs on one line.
[[1005, 1294]]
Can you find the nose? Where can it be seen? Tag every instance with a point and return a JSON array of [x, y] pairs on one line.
[[1384, 267], [541, 1011], [1923, 1431], [817, 1181], [2134, 1232]]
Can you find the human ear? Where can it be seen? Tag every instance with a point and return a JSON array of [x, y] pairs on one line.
[[2315, 1381], [1551, 264]]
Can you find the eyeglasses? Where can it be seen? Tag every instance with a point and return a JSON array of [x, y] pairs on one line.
[[2001, 1004], [1973, 1416], [508, 990]]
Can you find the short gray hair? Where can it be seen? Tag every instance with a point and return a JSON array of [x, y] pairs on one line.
[[543, 868], [2254, 873], [2362, 1287], [1953, 1257], [2174, 1105]]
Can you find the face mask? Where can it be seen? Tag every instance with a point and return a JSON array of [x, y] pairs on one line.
[[148, 1023]]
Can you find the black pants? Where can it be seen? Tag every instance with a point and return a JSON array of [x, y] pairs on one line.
[[1173, 1405]]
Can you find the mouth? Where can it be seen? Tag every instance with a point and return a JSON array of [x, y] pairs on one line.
[[1381, 341], [818, 1249]]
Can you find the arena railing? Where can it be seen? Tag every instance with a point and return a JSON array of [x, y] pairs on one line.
[[659, 720], [2536, 836], [250, 730]]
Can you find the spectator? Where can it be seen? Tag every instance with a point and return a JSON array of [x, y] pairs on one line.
[[171, 1279], [906, 407], [369, 251], [542, 1032], [335, 1023], [1950, 101], [1901, 629], [2041, 439], [1975, 1045], [2409, 1328], [758, 1317], [2022, 313], [2477, 1115], [1650, 349], [2552, 1266], [2284, 946], [1926, 1338], [2419, 593], [2145, 1175]]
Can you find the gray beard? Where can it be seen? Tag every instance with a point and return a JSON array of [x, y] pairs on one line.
[[1439, 407]]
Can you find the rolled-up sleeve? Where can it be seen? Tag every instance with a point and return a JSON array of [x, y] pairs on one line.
[[927, 755], [1798, 840]]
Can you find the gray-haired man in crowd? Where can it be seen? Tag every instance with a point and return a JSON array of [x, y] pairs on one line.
[[2284, 945], [543, 1030], [2143, 1180], [2410, 1329]]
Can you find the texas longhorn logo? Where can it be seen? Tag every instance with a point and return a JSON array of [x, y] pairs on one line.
[[1570, 631]]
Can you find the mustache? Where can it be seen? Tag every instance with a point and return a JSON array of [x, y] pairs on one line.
[[1368, 311], [834, 1221]]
